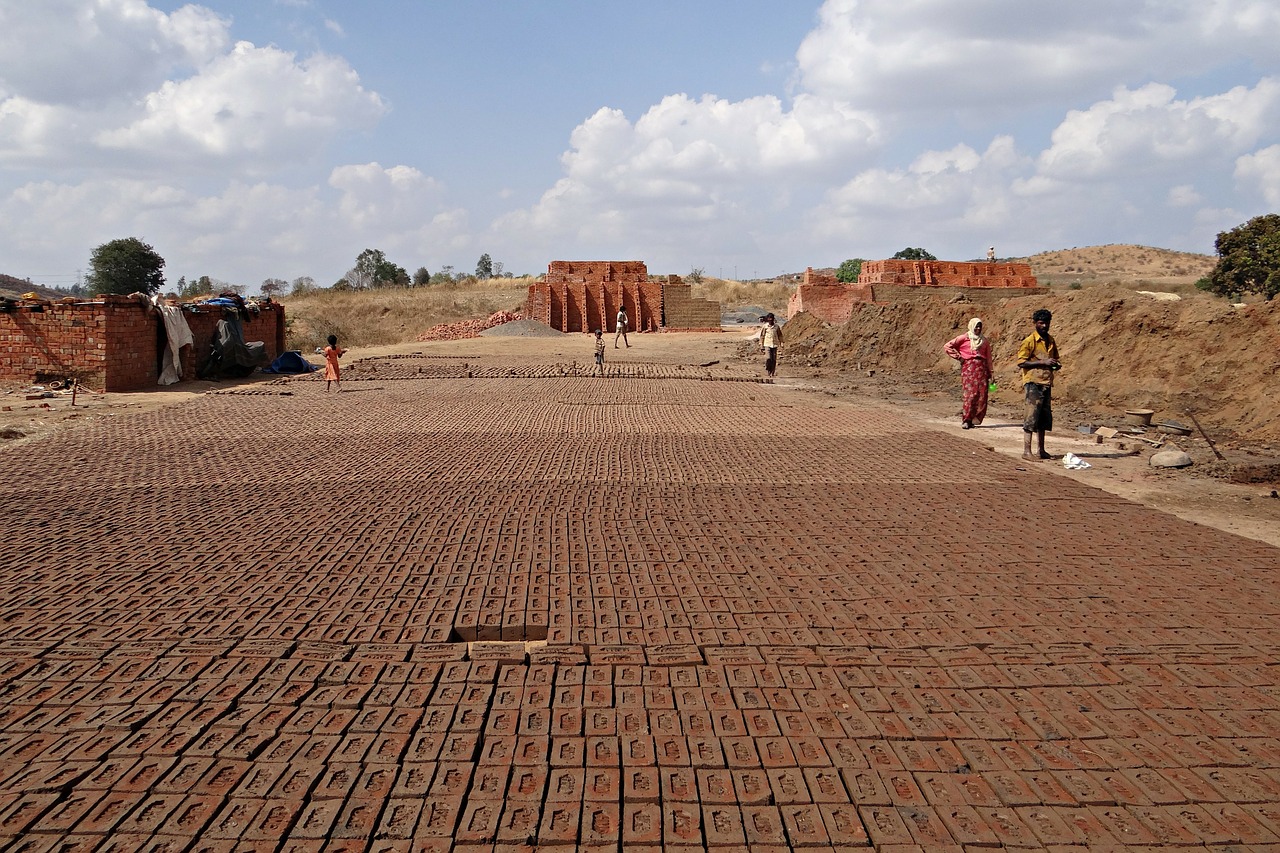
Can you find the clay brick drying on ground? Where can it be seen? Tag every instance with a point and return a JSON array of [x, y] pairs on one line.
[[441, 611]]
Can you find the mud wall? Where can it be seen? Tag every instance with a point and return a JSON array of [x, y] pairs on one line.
[[114, 343]]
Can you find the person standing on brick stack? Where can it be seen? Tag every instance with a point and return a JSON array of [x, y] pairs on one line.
[[973, 351], [991, 254], [331, 371], [770, 340], [1038, 361], [623, 322]]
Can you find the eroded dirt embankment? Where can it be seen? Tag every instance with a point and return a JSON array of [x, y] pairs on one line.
[[1120, 349]]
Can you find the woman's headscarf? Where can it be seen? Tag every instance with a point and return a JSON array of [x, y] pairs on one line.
[[975, 338]]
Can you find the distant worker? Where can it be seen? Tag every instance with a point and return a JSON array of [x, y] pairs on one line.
[[770, 340], [973, 351], [621, 330], [991, 254], [599, 351], [331, 372], [1038, 361]]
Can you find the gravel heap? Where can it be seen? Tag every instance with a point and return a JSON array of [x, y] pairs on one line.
[[522, 328]]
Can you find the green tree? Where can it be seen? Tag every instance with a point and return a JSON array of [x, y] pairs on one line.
[[125, 266], [1248, 259], [910, 254], [421, 277], [849, 270], [484, 266], [372, 269]]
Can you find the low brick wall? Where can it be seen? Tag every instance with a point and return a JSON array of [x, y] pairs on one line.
[[114, 343]]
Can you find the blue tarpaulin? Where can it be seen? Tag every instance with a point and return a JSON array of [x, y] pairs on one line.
[[290, 362]]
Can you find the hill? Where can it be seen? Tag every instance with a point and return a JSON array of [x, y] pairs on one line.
[[1121, 263]]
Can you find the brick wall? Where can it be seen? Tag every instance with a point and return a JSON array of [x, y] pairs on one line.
[[581, 296], [113, 343]]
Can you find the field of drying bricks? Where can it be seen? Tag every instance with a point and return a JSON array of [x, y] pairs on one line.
[[478, 603]]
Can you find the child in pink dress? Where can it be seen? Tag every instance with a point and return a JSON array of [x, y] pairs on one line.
[[331, 372]]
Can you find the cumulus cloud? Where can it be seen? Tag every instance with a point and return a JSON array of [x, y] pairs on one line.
[[1000, 55], [708, 161], [1149, 129], [75, 51], [1260, 172], [127, 86], [255, 104]]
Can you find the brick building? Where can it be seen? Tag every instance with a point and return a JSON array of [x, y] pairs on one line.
[[113, 343]]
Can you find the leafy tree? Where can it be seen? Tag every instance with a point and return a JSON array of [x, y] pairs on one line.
[[1248, 258], [421, 277], [910, 254], [484, 266], [372, 269], [273, 287], [850, 270], [125, 266]]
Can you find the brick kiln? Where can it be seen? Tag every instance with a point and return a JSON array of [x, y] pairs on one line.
[[581, 296], [897, 280]]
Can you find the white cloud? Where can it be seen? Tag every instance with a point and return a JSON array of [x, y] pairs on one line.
[[709, 162], [254, 104], [74, 52], [117, 84], [995, 56], [1260, 172], [1149, 130]]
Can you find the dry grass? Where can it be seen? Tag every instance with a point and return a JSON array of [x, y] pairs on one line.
[[394, 315], [399, 315], [772, 295], [1138, 267]]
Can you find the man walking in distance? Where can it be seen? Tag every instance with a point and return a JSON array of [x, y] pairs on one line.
[[770, 340], [621, 330], [1038, 360]]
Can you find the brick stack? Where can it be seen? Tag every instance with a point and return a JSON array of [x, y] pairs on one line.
[[581, 296], [896, 281], [823, 296], [113, 343], [948, 274]]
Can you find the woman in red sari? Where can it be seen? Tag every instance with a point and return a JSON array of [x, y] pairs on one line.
[[973, 351]]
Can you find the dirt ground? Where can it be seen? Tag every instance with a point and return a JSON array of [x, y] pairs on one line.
[[931, 399]]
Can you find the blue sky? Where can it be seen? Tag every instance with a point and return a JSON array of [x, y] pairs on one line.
[[278, 138]]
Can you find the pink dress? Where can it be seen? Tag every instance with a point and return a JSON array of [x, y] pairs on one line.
[[975, 373]]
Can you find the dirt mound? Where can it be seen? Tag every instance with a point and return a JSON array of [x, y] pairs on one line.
[[1120, 350]]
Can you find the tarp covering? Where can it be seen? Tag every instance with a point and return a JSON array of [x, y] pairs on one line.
[[229, 355], [290, 362]]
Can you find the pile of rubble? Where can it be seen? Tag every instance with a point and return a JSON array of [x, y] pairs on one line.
[[467, 328]]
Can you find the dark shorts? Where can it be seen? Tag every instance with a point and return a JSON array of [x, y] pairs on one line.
[[1039, 413]]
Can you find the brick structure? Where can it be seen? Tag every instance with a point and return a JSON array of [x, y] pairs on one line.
[[580, 296], [823, 296], [898, 280], [114, 343]]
